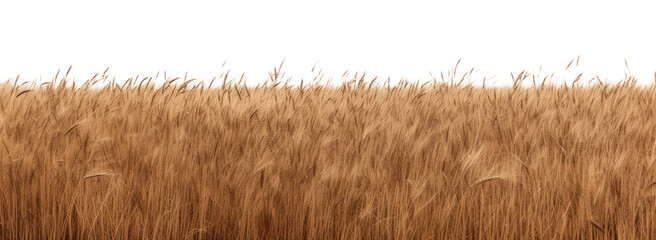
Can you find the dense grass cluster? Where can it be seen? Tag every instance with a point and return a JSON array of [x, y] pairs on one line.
[[361, 160]]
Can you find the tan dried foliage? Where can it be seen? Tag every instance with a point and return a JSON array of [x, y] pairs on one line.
[[443, 160]]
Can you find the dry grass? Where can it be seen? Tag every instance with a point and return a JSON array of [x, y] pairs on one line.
[[361, 160]]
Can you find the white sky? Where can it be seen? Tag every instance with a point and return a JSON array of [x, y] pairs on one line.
[[386, 38]]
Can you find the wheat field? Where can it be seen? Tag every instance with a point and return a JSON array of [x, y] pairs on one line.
[[362, 160]]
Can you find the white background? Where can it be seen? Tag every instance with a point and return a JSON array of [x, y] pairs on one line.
[[386, 38]]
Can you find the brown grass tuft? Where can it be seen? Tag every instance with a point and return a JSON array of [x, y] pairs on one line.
[[440, 160]]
